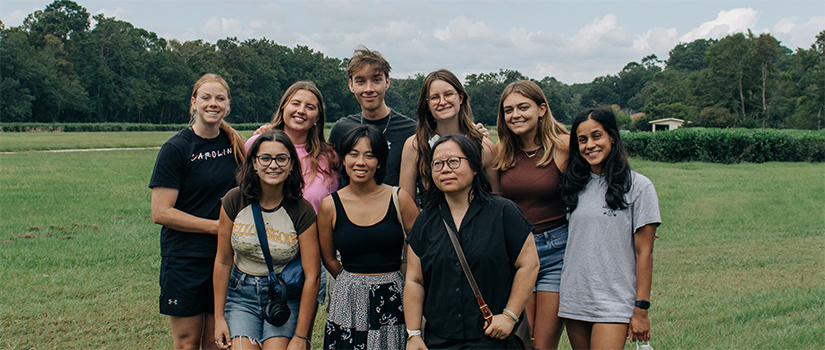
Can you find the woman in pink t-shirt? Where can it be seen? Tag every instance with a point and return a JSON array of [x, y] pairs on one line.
[[300, 115]]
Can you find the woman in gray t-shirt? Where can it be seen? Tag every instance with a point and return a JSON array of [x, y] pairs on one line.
[[613, 215]]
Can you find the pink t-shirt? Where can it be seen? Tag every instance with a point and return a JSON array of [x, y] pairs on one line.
[[321, 186]]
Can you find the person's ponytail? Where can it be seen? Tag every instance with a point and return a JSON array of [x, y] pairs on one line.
[[236, 141]]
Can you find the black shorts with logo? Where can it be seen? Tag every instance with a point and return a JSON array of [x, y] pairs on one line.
[[186, 286]]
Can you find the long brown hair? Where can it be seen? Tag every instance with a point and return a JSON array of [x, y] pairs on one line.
[[235, 139], [547, 134], [427, 123], [316, 144]]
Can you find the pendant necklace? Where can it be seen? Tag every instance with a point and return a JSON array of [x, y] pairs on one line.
[[389, 119], [536, 151]]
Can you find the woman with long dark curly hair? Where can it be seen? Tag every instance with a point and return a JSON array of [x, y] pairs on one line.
[[613, 215]]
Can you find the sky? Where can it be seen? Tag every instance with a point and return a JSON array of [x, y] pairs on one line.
[[573, 41]]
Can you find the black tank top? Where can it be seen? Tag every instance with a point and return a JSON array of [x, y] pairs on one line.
[[368, 249]]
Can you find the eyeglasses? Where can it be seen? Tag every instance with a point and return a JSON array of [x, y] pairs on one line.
[[452, 162], [280, 160], [448, 96]]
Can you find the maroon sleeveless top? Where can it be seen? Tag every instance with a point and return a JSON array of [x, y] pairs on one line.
[[536, 190]]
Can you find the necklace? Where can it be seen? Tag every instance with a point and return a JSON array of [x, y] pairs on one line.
[[389, 119], [536, 151]]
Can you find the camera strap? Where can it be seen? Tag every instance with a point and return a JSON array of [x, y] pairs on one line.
[[259, 226]]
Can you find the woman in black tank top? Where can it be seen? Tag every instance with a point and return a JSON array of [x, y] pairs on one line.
[[361, 221]]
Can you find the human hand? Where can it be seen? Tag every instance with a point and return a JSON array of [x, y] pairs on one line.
[[298, 343], [500, 327], [484, 132], [263, 128], [222, 339], [416, 343], [639, 328]]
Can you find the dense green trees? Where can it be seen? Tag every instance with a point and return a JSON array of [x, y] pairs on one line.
[[55, 68]]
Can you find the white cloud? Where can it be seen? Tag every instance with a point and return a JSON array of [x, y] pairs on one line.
[[794, 35], [463, 27], [726, 22], [656, 40], [224, 27], [118, 13], [14, 18]]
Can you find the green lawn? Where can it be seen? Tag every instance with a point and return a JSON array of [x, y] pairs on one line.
[[739, 264]]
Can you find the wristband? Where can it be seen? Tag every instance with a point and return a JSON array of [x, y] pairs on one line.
[[302, 337], [411, 333], [511, 314]]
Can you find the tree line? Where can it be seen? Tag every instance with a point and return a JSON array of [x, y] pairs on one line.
[[55, 68]]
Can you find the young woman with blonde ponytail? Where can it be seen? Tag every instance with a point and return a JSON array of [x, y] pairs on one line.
[[193, 170]]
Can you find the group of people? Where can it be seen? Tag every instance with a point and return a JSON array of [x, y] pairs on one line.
[[556, 229]]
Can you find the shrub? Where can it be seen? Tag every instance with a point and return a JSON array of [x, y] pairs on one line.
[[728, 145]]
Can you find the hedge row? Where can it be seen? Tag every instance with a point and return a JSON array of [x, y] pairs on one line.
[[727, 145], [99, 127]]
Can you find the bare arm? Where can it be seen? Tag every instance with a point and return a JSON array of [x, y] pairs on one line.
[[527, 268], [311, 263], [639, 328], [326, 218], [220, 279], [164, 213], [414, 299], [409, 167], [409, 211], [488, 154]]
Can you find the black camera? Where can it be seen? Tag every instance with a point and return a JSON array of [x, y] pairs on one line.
[[277, 313]]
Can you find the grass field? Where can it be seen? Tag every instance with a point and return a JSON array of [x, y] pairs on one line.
[[739, 266]]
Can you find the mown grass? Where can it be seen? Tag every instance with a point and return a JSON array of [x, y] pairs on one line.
[[39, 141], [739, 264]]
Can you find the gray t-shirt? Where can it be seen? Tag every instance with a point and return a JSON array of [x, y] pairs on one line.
[[598, 280]]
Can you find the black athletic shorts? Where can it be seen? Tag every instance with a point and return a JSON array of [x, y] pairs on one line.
[[186, 286]]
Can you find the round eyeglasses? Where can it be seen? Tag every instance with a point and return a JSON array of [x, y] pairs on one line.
[[266, 160], [452, 162]]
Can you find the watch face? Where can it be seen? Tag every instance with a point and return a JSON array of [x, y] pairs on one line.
[[643, 304]]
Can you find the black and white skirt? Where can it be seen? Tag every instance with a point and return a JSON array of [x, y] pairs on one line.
[[366, 312]]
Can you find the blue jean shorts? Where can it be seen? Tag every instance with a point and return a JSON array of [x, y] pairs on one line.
[[246, 301], [550, 246]]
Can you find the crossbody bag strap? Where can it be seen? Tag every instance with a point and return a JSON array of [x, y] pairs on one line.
[[395, 190], [482, 305], [259, 226]]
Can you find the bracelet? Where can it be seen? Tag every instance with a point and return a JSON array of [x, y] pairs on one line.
[[411, 333], [511, 314], [302, 337]]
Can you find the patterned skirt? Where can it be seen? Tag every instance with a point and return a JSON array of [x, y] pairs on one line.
[[366, 312]]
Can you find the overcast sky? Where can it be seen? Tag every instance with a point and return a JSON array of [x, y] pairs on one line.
[[573, 41]]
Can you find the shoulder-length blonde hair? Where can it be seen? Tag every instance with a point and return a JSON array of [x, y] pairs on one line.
[[316, 144], [235, 139], [427, 123], [547, 135]]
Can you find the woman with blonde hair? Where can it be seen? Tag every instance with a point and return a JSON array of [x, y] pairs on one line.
[[301, 116], [533, 145], [443, 109], [193, 170]]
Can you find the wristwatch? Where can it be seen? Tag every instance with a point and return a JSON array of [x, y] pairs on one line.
[[643, 304], [411, 333]]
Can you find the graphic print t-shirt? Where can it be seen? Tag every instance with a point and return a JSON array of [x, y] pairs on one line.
[[202, 170], [283, 226]]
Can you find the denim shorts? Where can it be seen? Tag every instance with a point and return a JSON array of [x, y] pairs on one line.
[[246, 301], [550, 246]]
